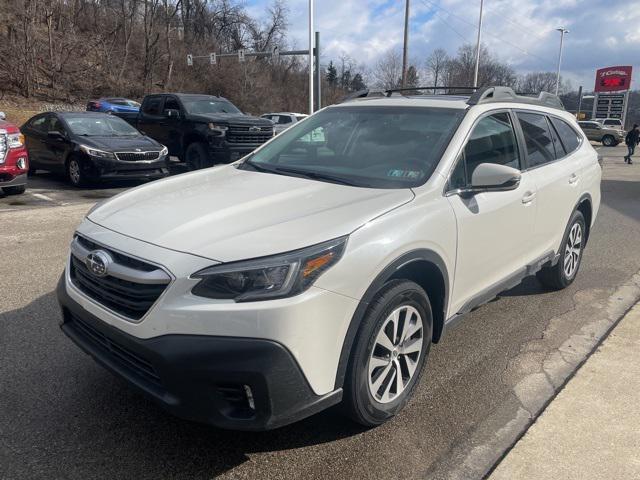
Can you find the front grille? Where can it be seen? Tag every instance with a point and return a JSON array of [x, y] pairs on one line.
[[122, 355], [137, 156], [244, 134], [3, 146], [126, 297]]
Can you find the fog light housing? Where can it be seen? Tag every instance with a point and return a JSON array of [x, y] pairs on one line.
[[249, 394], [22, 163]]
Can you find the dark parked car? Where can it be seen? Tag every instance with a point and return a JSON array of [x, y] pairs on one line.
[[201, 130], [89, 146], [113, 105]]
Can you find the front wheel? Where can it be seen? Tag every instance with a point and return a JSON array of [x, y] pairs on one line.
[[76, 175], [389, 353], [196, 156], [564, 272]]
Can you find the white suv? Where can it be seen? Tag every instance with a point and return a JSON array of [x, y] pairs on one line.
[[321, 268]]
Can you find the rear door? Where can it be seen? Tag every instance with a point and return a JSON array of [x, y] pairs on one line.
[[35, 132], [56, 146], [494, 228], [556, 173]]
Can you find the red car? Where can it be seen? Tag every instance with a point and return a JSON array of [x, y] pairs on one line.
[[14, 160]]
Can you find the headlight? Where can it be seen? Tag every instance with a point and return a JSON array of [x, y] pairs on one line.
[[278, 276], [15, 140], [164, 151], [215, 126], [93, 152]]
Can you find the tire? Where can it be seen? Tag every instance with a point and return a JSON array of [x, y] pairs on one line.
[[197, 157], [564, 272], [372, 393], [17, 190], [609, 141], [75, 174]]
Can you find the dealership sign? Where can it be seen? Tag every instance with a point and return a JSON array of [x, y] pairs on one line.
[[613, 79], [612, 93]]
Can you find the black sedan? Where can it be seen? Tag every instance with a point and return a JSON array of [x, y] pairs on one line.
[[89, 146]]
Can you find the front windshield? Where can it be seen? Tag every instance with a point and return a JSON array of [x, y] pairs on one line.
[[378, 147], [102, 126], [205, 106]]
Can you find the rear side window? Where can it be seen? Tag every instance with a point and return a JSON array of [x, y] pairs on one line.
[[492, 141], [557, 145], [284, 119], [537, 139], [568, 136], [152, 106]]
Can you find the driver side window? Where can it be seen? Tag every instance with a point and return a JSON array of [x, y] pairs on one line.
[[492, 140]]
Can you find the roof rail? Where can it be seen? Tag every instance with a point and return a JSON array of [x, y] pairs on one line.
[[363, 94], [391, 91], [506, 94]]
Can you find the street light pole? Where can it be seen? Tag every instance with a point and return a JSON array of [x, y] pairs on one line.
[[562, 31], [311, 73], [406, 42], [475, 73]]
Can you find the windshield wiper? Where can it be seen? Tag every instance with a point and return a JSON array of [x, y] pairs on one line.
[[317, 176]]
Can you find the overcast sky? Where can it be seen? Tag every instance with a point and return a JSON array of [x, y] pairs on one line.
[[520, 32]]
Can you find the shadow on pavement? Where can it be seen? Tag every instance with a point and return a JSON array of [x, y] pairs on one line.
[[62, 414], [623, 196]]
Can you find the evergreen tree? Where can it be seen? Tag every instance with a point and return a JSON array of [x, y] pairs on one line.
[[332, 74]]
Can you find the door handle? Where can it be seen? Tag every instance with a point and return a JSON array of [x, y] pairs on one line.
[[528, 197], [573, 178]]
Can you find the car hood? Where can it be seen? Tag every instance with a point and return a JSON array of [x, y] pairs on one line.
[[120, 144], [226, 214], [235, 118]]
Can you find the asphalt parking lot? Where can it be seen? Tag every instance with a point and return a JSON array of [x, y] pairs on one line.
[[63, 416]]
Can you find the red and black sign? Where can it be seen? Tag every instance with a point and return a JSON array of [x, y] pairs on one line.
[[613, 79]]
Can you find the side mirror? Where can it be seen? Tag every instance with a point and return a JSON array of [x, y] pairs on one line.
[[3, 116], [172, 113], [55, 135], [493, 177]]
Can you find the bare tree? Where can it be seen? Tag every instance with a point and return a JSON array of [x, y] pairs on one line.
[[387, 72], [435, 65]]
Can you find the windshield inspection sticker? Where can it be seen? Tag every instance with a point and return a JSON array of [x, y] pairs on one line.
[[404, 173]]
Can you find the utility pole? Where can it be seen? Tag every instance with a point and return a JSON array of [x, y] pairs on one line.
[[311, 72], [406, 45], [562, 31], [318, 74], [477, 67], [579, 103]]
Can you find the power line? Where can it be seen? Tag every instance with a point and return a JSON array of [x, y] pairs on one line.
[[475, 27], [435, 14]]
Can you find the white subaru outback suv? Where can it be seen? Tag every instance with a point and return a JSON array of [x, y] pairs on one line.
[[321, 268]]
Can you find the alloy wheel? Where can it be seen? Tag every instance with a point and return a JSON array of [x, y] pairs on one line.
[[395, 354], [74, 172], [572, 250]]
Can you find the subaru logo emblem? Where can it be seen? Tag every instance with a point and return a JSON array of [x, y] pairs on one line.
[[254, 129], [98, 262]]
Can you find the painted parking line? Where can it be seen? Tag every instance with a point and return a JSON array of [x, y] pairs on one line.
[[43, 197]]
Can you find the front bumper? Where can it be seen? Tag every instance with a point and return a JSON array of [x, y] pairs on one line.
[[12, 180], [200, 377], [103, 169]]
